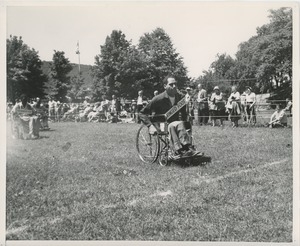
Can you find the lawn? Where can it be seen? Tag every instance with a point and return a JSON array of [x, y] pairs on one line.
[[84, 181]]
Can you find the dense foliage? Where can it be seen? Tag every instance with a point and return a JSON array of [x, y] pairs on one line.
[[59, 79], [24, 73], [264, 62], [123, 69]]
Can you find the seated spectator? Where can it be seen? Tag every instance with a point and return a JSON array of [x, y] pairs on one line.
[[24, 124], [83, 115], [94, 115], [71, 113], [86, 101], [278, 118]]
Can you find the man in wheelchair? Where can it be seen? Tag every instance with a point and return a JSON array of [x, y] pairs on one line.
[[165, 108]]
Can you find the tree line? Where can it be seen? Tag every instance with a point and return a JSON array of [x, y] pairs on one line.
[[264, 62]]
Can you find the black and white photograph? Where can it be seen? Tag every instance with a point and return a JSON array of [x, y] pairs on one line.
[[150, 123]]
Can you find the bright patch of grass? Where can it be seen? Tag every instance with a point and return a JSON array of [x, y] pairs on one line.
[[84, 181]]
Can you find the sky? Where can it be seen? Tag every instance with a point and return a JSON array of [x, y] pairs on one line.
[[199, 30]]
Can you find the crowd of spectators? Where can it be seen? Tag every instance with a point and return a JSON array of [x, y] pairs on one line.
[[203, 109]]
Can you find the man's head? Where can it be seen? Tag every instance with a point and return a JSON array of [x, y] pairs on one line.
[[155, 93], [233, 88], [249, 90], [140, 93], [200, 86], [170, 85], [278, 107], [188, 90], [24, 99], [113, 97], [217, 90]]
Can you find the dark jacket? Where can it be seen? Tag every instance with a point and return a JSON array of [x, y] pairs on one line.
[[158, 106]]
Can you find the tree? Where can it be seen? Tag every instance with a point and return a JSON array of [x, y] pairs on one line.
[[161, 59], [111, 70], [59, 81], [24, 73], [220, 73], [76, 87], [268, 55]]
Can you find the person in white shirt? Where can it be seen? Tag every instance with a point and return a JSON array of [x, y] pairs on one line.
[[250, 105], [203, 112], [52, 106], [189, 105], [233, 106], [25, 124], [217, 106], [278, 118], [139, 105]]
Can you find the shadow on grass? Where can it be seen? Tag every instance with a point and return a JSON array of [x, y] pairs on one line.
[[41, 137], [48, 130], [193, 162]]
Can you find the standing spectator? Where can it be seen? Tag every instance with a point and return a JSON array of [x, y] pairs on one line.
[[139, 105], [58, 109], [189, 105], [217, 106], [233, 106], [9, 107], [243, 107], [202, 106], [115, 107], [289, 105], [113, 104], [51, 105], [250, 105], [118, 106], [133, 109], [278, 118]]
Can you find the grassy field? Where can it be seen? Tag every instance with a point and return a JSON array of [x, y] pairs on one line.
[[84, 181]]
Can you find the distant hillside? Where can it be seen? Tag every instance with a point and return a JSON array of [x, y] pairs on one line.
[[85, 72]]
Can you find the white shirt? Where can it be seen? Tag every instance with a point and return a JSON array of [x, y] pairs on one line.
[[236, 96], [250, 97], [139, 100]]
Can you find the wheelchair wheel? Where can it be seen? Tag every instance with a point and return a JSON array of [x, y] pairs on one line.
[[147, 145], [164, 158]]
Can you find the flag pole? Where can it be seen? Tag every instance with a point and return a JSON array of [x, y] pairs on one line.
[[78, 53]]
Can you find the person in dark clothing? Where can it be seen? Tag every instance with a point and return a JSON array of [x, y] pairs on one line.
[[159, 106]]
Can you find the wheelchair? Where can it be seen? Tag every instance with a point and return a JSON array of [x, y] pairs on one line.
[[153, 144]]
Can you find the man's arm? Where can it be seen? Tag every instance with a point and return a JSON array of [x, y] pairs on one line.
[[144, 114]]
